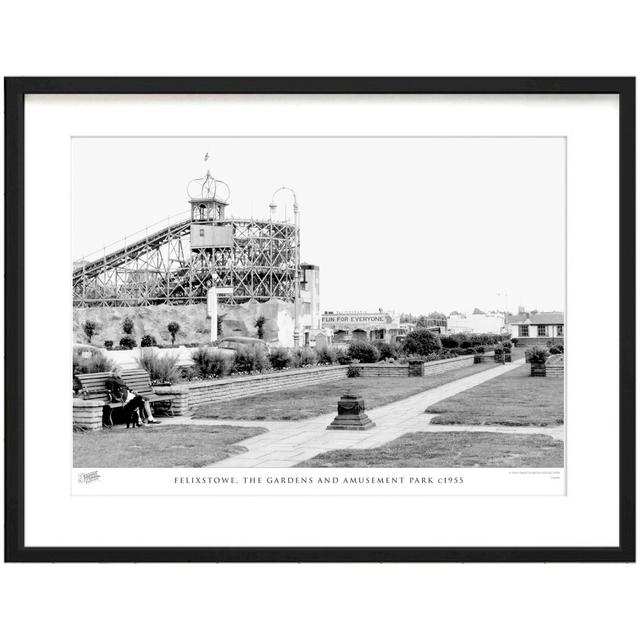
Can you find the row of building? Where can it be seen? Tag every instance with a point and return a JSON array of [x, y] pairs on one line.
[[529, 327]]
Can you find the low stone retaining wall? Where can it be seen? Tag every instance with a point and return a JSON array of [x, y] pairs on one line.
[[373, 370], [555, 366], [542, 341], [87, 414], [179, 405], [438, 366], [418, 368], [196, 394], [554, 371]]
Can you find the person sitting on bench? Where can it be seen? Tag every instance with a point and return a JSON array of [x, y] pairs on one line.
[[147, 415], [120, 391]]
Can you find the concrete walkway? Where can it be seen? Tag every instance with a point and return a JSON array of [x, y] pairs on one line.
[[288, 443]]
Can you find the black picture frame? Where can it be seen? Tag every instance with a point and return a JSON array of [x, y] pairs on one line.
[[15, 91]]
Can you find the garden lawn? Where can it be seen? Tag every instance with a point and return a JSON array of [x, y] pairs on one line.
[[158, 446], [315, 400], [451, 449], [514, 399]]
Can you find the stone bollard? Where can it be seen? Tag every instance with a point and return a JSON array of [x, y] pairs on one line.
[[351, 415]]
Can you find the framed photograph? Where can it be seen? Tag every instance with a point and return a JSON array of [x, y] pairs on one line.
[[320, 319]]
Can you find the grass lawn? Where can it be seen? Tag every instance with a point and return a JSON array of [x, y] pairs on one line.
[[450, 449], [306, 402], [158, 446], [514, 399]]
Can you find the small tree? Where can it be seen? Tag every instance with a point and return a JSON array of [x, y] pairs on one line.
[[386, 349], [421, 342], [127, 326], [148, 341], [363, 351], [260, 326], [173, 328], [128, 342], [90, 329], [219, 321]]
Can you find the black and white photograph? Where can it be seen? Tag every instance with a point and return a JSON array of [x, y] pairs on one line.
[[319, 302]]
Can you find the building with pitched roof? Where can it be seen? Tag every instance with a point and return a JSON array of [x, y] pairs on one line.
[[537, 327]]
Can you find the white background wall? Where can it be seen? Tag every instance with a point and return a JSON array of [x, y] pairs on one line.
[[332, 38]]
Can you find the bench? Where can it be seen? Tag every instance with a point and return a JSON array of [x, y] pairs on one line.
[[93, 386], [139, 382]]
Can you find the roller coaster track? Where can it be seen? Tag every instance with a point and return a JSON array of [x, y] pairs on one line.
[[131, 251], [161, 267]]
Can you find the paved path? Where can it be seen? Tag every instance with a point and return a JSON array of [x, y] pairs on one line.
[[288, 443]]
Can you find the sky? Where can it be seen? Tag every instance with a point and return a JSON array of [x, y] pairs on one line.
[[407, 224]]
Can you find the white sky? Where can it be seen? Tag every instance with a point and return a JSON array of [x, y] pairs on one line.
[[411, 224]]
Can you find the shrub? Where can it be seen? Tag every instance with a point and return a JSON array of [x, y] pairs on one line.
[[90, 329], [363, 351], [250, 358], [208, 363], [148, 341], [160, 369], [97, 363], [326, 355], [128, 342], [386, 349], [108, 344], [451, 341], [498, 351], [353, 371], [479, 349], [421, 342], [188, 373], [537, 355], [514, 341], [556, 349], [305, 357], [127, 326], [507, 344], [280, 358], [466, 344], [173, 328], [344, 358]]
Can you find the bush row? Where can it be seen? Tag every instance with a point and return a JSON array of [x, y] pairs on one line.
[[468, 340]]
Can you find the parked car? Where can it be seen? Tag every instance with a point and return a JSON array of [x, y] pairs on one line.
[[235, 342]]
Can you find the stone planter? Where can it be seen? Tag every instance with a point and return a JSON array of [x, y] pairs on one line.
[[538, 369], [415, 368]]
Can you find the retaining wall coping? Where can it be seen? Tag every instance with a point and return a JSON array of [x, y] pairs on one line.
[[87, 403], [221, 382]]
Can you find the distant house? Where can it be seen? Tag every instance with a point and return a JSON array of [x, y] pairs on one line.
[[537, 328], [492, 322]]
